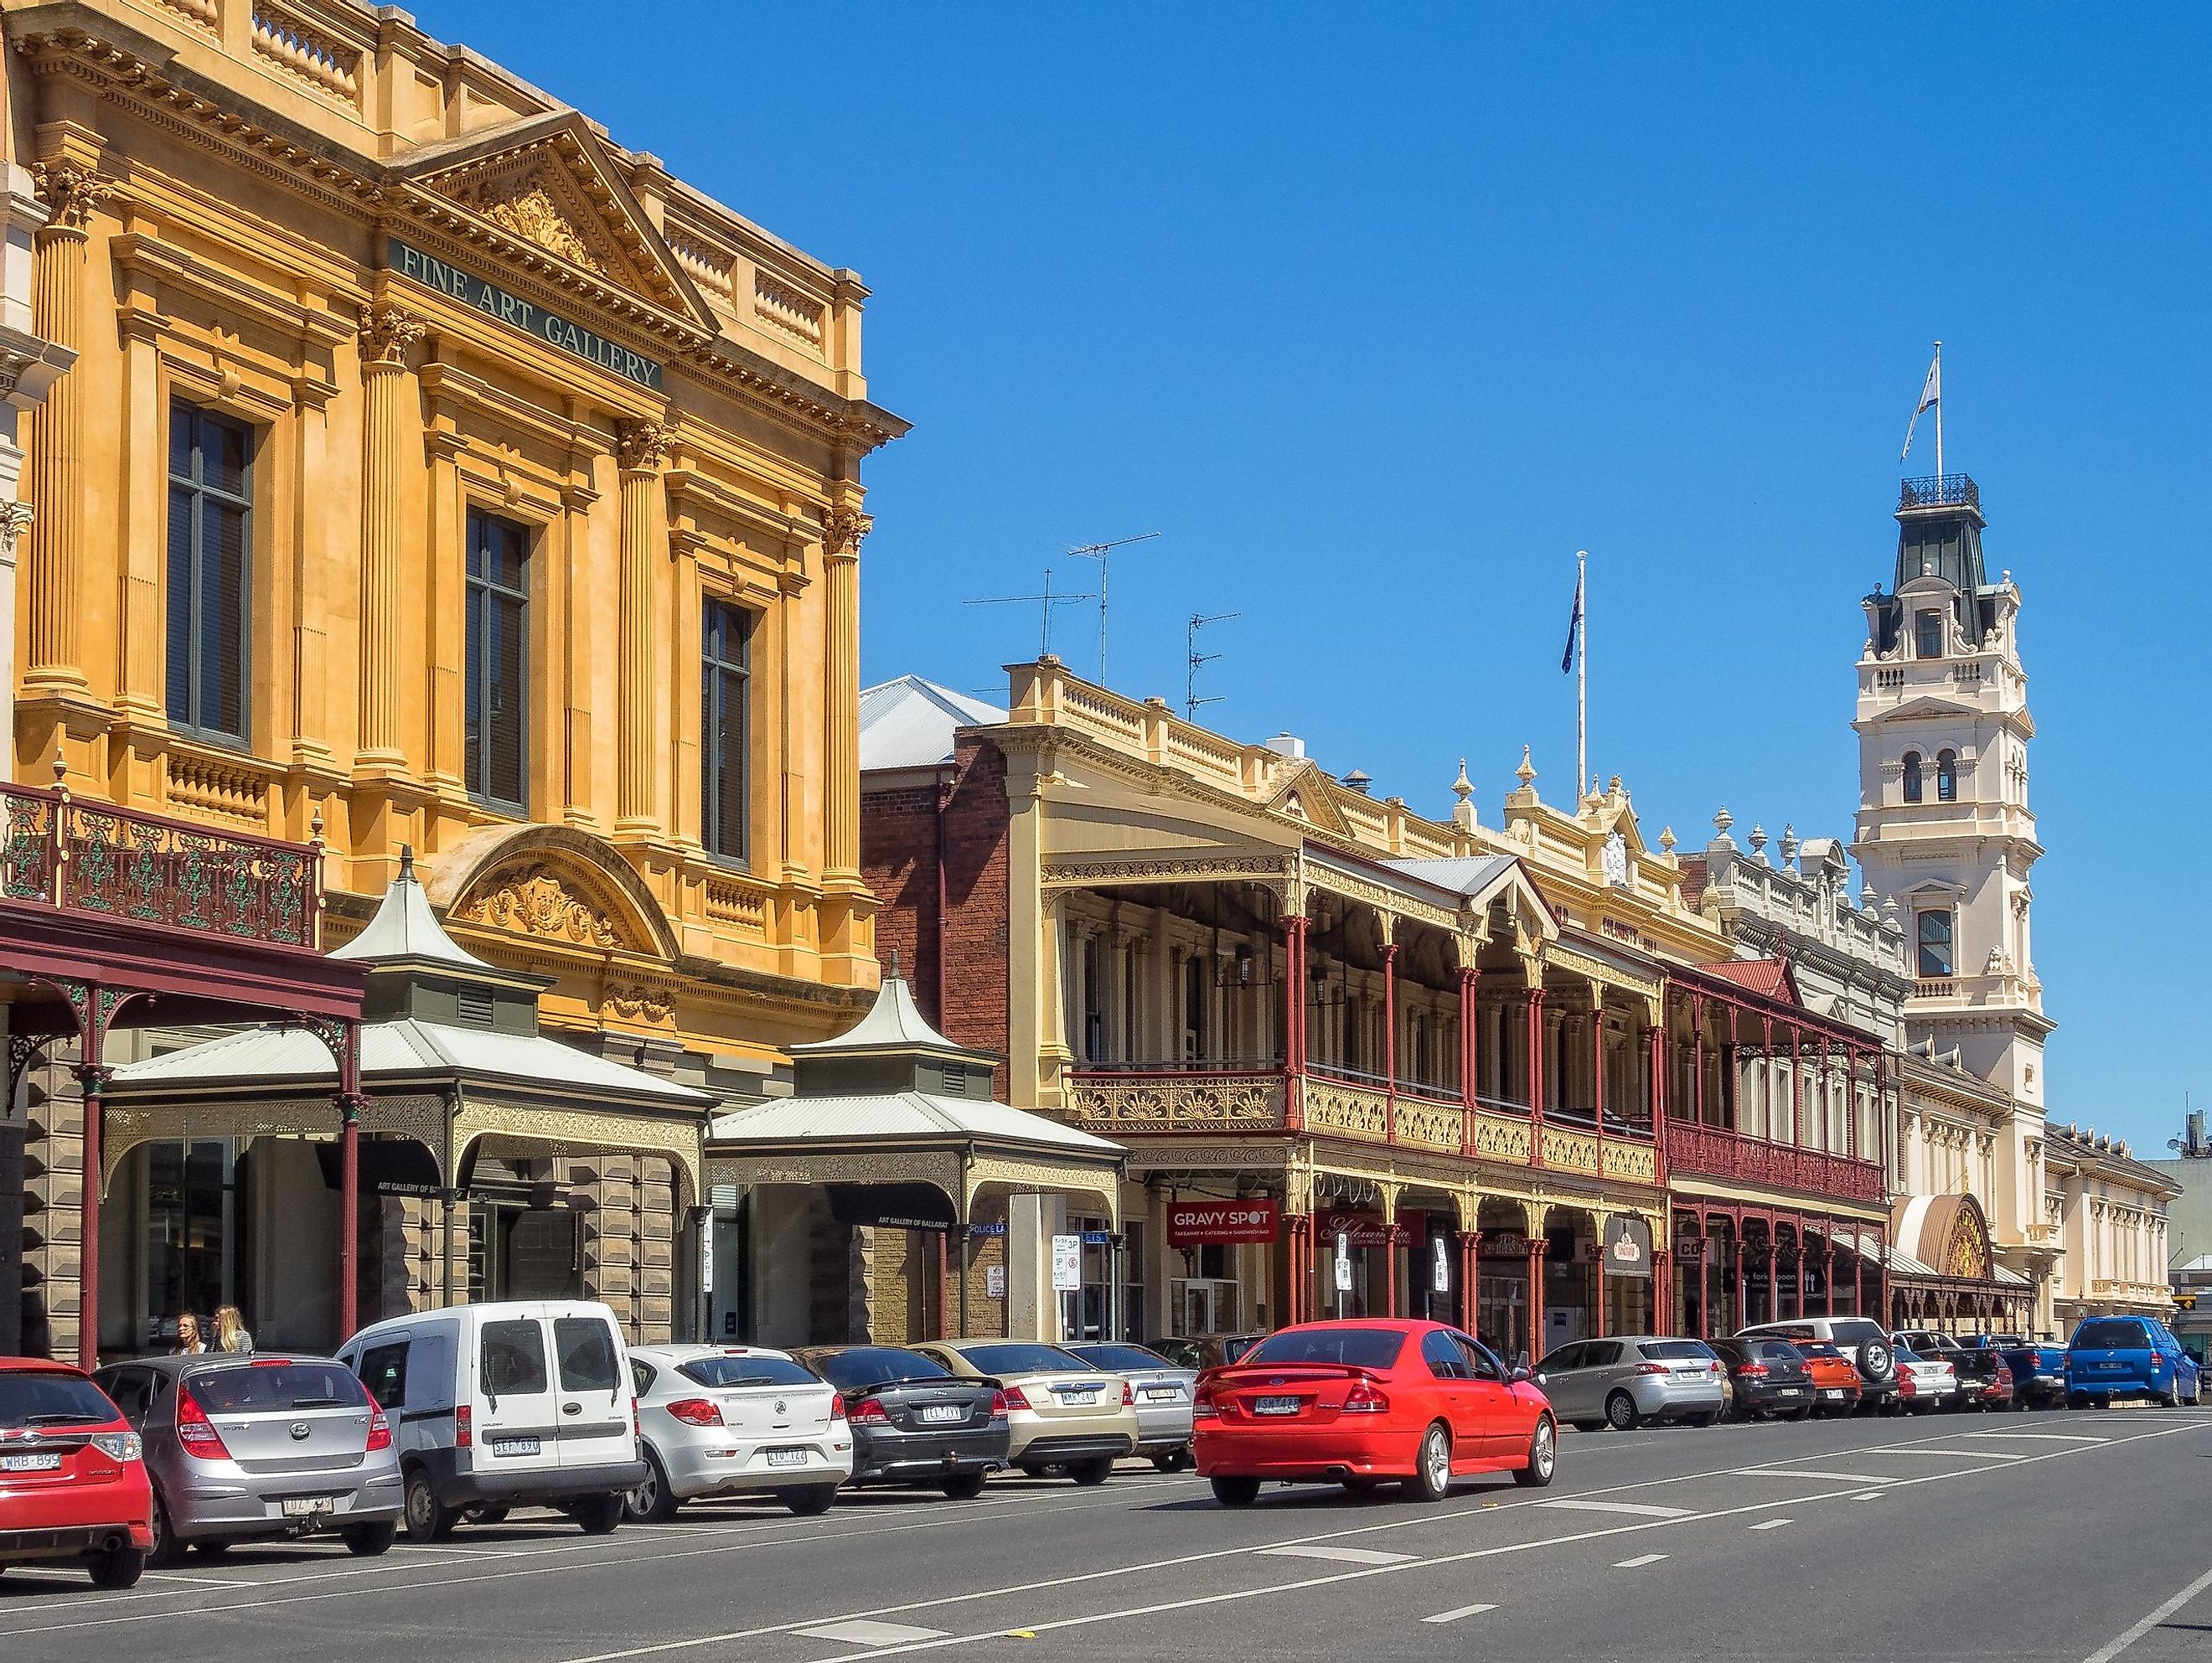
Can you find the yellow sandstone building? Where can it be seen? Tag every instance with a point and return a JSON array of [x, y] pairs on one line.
[[436, 472]]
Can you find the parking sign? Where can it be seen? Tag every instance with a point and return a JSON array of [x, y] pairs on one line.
[[1067, 1264]]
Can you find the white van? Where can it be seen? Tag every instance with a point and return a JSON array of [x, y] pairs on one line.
[[523, 1403]]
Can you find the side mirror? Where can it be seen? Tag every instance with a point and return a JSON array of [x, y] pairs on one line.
[[1521, 1372]]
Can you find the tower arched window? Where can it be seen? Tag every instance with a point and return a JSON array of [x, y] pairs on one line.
[[1912, 782], [1946, 776]]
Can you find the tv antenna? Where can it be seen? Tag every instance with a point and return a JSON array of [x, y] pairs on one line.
[[1044, 604], [1098, 551], [1191, 701]]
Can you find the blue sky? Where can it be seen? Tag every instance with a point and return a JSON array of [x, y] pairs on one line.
[[1379, 313]]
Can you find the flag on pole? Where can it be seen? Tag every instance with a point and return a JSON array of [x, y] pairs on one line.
[[1932, 394], [1574, 629]]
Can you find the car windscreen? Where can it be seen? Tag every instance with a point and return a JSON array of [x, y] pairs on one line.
[[2111, 1334], [1022, 1359], [1119, 1356], [1855, 1330], [269, 1388], [1674, 1350], [730, 1371], [1780, 1350], [1359, 1348], [875, 1365], [36, 1398]]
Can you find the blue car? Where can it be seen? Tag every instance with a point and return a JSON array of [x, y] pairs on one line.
[[2128, 1356]]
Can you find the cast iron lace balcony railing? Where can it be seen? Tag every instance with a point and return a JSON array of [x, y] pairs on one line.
[[1950, 491]]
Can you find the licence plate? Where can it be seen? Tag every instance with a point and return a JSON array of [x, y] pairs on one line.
[[514, 1446], [1837, 1395], [1790, 1392], [787, 1458], [49, 1461], [1274, 1405], [1162, 1394], [306, 1507], [938, 1413], [1090, 1396]]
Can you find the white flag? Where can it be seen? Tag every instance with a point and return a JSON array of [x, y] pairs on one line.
[[1932, 394]]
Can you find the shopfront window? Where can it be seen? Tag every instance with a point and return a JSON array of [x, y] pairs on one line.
[[192, 1244]]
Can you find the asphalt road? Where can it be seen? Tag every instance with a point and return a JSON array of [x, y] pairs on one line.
[[2024, 1538]]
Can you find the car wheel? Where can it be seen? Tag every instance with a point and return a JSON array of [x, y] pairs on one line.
[[814, 1498], [1174, 1461], [598, 1514], [964, 1486], [1705, 1419], [166, 1550], [369, 1541], [1236, 1492], [2076, 1400], [651, 1502], [1587, 1426], [483, 1513], [1543, 1456], [1029, 1472], [1620, 1412], [425, 1520], [1431, 1479], [1091, 1472], [116, 1566], [1798, 1415]]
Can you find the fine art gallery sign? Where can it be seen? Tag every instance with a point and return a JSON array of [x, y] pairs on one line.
[[493, 301]]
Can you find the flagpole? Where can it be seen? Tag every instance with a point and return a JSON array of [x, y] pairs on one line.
[[1582, 674], [1939, 419]]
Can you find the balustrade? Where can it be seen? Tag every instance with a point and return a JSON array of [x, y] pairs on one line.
[[1710, 1152]]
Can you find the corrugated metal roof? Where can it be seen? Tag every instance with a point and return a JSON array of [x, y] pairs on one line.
[[906, 1114], [909, 723], [894, 1023], [1465, 875], [1769, 977], [409, 1048], [404, 927]]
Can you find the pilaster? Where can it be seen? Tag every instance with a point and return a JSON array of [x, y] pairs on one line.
[[641, 448], [386, 333]]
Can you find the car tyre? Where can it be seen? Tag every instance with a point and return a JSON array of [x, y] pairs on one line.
[[1431, 1479], [1543, 1456], [1620, 1412], [651, 1502], [1797, 1414], [1706, 1419], [483, 1513], [211, 1549], [813, 1500], [1094, 1471], [1235, 1491], [426, 1519], [166, 1550], [116, 1566], [964, 1486], [369, 1541], [1028, 1471], [1587, 1426], [1174, 1461], [597, 1515]]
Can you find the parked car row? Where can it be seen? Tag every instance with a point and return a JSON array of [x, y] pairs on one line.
[[430, 1421]]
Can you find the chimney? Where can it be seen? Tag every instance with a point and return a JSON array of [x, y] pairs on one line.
[[1289, 745], [1358, 781]]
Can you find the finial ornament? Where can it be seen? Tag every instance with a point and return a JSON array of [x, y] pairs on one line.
[[895, 964], [1789, 845], [1463, 787], [61, 764], [1758, 840], [1525, 773], [1667, 840], [406, 862], [1724, 820]]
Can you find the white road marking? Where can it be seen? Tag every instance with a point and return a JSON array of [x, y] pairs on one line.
[[859, 1632], [1642, 1509], [2119, 1643], [1964, 1455], [2049, 1437], [1772, 1524], [1868, 1496], [1351, 1556], [1808, 1472], [200, 1581], [1458, 1612], [1639, 1561]]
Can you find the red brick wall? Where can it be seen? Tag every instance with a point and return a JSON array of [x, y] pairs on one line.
[[898, 857]]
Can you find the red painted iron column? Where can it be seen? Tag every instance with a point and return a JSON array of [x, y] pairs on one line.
[[1536, 1296], [1470, 1275], [1470, 1056], [1597, 1082], [1704, 1280], [1294, 1019], [92, 1081]]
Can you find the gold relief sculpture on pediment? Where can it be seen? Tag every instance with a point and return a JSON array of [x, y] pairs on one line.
[[531, 216], [534, 900]]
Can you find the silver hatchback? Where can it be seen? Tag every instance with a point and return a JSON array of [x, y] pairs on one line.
[[1621, 1382], [242, 1447]]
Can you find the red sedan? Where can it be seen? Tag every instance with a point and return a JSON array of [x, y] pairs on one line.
[[1363, 1402], [72, 1475]]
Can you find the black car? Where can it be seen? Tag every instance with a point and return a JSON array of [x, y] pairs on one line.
[[1770, 1378], [914, 1422]]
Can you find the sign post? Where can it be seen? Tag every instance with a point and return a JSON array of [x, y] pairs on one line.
[[1343, 1268], [1067, 1276]]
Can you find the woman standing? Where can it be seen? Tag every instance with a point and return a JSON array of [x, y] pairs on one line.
[[189, 1343], [230, 1333]]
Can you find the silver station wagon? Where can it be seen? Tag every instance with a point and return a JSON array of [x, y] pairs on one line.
[[243, 1447]]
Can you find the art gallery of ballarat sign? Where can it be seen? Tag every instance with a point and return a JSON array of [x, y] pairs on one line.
[[493, 301]]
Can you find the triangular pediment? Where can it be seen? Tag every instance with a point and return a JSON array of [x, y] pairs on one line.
[[549, 182], [1927, 708], [1308, 796]]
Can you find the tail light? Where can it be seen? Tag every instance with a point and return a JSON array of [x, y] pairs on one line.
[[1202, 1406], [1363, 1399], [379, 1429], [196, 1432], [1014, 1398], [998, 1406], [837, 1408], [464, 1427], [697, 1411], [636, 1421], [1128, 1398], [125, 1447], [1650, 1367], [1752, 1371], [869, 1411]]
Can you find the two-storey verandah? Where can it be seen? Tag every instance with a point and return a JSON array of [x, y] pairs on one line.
[[1366, 1044], [1776, 1127]]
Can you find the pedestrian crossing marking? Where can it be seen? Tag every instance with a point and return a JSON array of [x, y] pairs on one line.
[[861, 1632], [1453, 1615], [1350, 1556], [1640, 1510], [1639, 1561]]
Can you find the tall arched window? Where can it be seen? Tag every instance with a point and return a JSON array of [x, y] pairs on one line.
[[1912, 786], [1946, 776]]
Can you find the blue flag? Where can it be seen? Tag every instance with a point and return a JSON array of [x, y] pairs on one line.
[[1574, 630]]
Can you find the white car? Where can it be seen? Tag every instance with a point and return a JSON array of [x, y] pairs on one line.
[[722, 1420], [1924, 1383]]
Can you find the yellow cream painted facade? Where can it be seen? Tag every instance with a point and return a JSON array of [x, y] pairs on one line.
[[426, 288]]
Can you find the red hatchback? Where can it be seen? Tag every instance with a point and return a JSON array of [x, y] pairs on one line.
[[72, 1475], [1361, 1402]]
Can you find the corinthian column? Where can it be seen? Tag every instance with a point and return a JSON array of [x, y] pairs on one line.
[[640, 448], [386, 333], [844, 528], [57, 575]]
